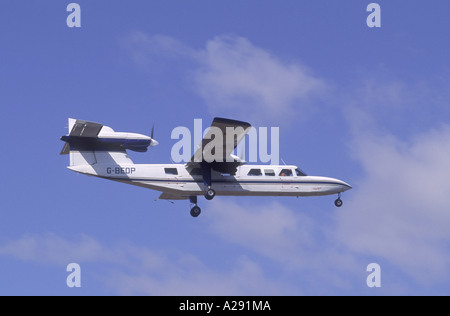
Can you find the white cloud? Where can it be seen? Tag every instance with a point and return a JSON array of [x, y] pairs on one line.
[[53, 249], [128, 269], [238, 77], [148, 51], [399, 211], [196, 278], [299, 245], [233, 76]]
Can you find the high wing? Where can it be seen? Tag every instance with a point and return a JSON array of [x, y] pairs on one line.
[[220, 141], [216, 149], [85, 129]]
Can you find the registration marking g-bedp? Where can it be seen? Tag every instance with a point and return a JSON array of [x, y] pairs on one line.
[[120, 170]]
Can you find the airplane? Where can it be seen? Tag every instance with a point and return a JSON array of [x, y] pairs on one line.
[[97, 150]]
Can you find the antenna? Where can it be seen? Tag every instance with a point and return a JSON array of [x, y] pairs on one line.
[[283, 161]]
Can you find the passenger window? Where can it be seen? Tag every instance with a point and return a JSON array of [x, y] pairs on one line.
[[286, 173], [254, 172], [172, 171], [269, 172]]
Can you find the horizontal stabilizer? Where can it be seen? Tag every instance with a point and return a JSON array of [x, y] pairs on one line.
[[90, 136], [85, 129]]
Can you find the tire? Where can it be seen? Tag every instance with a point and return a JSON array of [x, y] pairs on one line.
[[195, 211], [210, 194], [338, 203]]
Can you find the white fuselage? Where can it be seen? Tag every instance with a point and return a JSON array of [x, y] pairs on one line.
[[249, 180]]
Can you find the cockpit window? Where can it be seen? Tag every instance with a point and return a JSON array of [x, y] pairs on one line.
[[254, 172], [300, 173], [286, 173]]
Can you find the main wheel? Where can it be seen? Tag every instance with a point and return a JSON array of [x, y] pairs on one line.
[[338, 203], [210, 194], [195, 211]]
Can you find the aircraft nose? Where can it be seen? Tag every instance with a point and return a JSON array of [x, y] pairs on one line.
[[342, 185], [346, 186]]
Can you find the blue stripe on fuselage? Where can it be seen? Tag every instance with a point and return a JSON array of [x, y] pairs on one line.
[[228, 181]]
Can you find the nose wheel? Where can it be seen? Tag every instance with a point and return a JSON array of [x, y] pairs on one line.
[[338, 201]]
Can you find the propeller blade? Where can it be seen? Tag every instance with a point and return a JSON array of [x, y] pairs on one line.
[[154, 142]]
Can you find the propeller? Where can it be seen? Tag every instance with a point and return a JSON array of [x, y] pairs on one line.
[[154, 142]]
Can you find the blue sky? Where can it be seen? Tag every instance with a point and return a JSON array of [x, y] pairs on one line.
[[368, 106]]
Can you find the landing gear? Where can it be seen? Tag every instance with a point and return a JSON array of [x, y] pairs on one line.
[[195, 211], [338, 202], [210, 194]]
